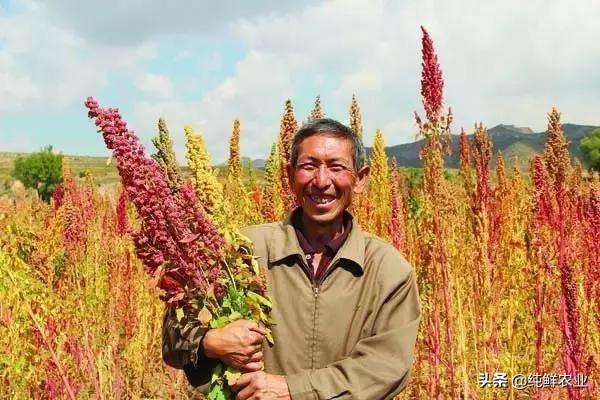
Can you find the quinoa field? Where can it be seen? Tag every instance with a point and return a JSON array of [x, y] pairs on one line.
[[508, 263]]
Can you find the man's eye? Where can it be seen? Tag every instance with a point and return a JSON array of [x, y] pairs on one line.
[[337, 168], [307, 167]]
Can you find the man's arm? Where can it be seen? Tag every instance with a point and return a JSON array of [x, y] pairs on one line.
[[379, 366], [181, 348], [197, 349]]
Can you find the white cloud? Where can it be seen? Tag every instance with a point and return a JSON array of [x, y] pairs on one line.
[[318, 47], [47, 67], [127, 22], [253, 102], [16, 90], [500, 65], [155, 85]]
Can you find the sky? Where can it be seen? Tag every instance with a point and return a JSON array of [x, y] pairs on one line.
[[205, 63]]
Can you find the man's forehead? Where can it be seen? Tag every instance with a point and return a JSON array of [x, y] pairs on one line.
[[326, 145]]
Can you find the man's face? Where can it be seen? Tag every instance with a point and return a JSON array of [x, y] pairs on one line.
[[324, 177]]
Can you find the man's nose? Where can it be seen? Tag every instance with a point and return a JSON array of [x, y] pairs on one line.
[[322, 178]]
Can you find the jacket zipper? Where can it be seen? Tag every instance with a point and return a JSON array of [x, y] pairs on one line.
[[315, 290], [329, 271], [314, 334], [316, 286]]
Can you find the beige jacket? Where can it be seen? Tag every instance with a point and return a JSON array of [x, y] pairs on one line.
[[351, 336]]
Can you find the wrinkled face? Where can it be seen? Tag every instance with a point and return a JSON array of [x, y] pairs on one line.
[[324, 177]]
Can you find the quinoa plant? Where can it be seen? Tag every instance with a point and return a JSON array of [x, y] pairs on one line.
[[203, 276], [287, 129]]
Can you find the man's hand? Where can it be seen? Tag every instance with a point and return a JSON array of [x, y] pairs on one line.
[[238, 344], [261, 386]]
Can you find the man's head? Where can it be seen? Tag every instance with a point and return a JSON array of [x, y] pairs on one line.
[[327, 166]]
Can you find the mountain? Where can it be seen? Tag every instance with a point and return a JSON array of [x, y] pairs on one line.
[[511, 140], [259, 163]]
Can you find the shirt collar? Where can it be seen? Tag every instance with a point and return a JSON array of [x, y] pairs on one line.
[[332, 246], [286, 242]]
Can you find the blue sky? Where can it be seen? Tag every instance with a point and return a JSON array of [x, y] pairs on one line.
[[205, 64]]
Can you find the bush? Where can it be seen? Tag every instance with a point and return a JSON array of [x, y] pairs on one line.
[[41, 171], [590, 147], [414, 176]]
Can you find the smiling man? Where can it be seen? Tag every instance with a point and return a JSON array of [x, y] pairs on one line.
[[346, 303]]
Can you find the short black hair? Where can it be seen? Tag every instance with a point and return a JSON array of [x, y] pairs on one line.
[[333, 127]]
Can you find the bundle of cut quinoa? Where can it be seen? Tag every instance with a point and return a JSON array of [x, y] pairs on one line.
[[200, 274]]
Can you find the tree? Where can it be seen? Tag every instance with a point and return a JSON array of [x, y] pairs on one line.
[[41, 171], [590, 147]]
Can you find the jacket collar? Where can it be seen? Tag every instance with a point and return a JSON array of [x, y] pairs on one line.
[[285, 244], [332, 246]]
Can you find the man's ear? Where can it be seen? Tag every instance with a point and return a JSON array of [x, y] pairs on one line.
[[362, 177]]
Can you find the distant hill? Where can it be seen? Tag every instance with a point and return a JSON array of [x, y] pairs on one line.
[[511, 140], [258, 163]]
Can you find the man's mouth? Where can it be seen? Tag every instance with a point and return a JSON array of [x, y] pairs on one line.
[[321, 199]]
